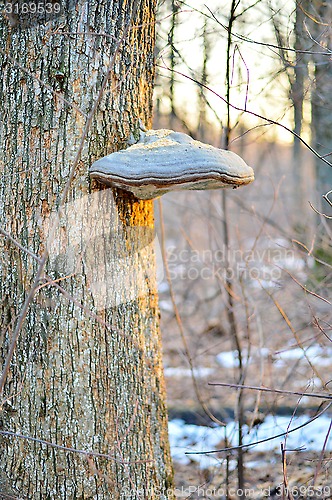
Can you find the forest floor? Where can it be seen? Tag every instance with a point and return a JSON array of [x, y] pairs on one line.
[[263, 478], [266, 294]]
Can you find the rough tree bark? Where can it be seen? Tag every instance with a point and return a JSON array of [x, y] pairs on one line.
[[87, 369]]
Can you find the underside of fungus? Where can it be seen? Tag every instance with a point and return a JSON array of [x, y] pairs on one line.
[[164, 161]]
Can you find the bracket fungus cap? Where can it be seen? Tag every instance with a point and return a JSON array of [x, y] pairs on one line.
[[164, 160]]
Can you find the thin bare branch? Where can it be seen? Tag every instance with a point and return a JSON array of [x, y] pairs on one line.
[[305, 288], [18, 245], [265, 44], [252, 113], [318, 212], [320, 460], [69, 449], [277, 391], [276, 436], [55, 283], [180, 325], [43, 84]]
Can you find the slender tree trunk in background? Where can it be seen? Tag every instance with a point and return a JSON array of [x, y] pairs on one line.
[[202, 121], [228, 283], [297, 96], [171, 36], [321, 31], [86, 374]]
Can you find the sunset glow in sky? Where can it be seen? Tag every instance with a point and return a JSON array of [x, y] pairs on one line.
[[257, 82]]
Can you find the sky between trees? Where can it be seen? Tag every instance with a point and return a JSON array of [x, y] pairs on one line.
[[258, 79]]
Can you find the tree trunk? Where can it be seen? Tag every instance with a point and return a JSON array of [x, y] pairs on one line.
[[173, 55], [202, 107], [297, 95], [321, 96], [87, 371]]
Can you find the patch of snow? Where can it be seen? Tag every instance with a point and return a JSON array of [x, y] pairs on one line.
[[163, 287], [310, 437], [316, 382], [264, 283], [315, 353], [292, 263], [229, 359], [164, 305], [199, 371], [187, 438], [281, 242]]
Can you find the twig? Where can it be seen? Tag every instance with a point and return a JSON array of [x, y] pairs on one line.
[[252, 113], [180, 325], [304, 287], [278, 391], [284, 472], [69, 297], [266, 44], [249, 445], [67, 448], [21, 247], [327, 199], [320, 460], [292, 329], [318, 212], [43, 84], [118, 446]]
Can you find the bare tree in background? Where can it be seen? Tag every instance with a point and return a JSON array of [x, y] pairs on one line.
[[172, 58], [202, 125], [297, 94], [320, 28], [83, 403], [257, 106]]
